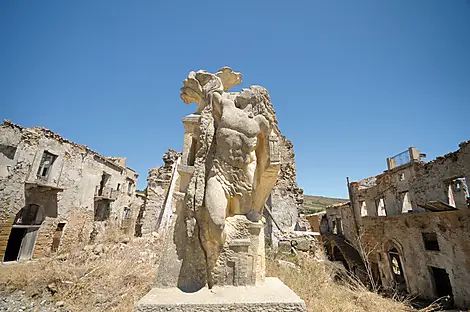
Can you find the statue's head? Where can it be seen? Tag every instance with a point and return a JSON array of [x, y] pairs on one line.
[[201, 83], [257, 99]]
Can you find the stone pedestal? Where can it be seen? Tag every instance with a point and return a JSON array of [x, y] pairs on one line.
[[270, 296]]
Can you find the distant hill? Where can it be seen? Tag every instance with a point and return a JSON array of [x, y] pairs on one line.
[[314, 204]]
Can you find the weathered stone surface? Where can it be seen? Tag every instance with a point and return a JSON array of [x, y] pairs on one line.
[[242, 259], [229, 165], [158, 183], [63, 181], [271, 296], [286, 197], [393, 214], [302, 241], [233, 149]]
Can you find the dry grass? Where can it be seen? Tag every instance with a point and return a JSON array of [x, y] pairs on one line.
[[314, 282], [110, 281], [122, 273]]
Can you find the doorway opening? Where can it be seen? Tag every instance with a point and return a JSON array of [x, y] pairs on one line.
[[397, 269], [441, 281], [57, 236], [24, 233], [338, 256]]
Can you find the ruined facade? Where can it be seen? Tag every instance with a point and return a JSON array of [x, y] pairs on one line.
[[56, 193], [155, 195], [414, 218], [286, 198]]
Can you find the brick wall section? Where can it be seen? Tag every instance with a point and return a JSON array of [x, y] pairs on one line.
[[5, 229]]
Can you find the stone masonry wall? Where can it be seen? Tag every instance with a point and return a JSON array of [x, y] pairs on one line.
[[158, 183], [404, 233], [68, 195], [406, 219], [286, 198]]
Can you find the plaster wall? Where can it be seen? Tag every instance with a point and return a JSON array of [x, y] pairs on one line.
[[68, 193]]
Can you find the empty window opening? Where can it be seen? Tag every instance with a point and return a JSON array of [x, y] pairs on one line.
[[397, 269], [192, 152], [457, 193], [430, 241], [130, 186], [339, 226], [335, 228], [127, 213], [402, 176], [381, 211], [45, 166], [363, 206], [441, 282], [324, 225], [104, 181], [405, 202], [57, 236], [8, 151], [102, 210]]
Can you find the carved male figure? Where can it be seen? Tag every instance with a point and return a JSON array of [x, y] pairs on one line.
[[233, 158]]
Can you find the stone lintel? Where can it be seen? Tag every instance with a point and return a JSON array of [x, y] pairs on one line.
[[185, 169], [191, 120], [270, 296]]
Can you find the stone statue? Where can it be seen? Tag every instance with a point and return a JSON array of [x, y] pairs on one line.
[[236, 160], [215, 234]]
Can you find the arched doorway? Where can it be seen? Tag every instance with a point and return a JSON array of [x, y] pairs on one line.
[[396, 267], [24, 233]]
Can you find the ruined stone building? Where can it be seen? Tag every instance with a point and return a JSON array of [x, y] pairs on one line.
[[56, 193], [286, 198], [415, 218], [151, 213]]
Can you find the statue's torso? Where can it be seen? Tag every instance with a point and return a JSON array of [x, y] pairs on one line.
[[236, 137]]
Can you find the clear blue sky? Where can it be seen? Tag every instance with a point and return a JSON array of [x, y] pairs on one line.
[[352, 82]]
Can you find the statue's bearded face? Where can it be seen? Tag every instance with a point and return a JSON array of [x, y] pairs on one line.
[[245, 101]]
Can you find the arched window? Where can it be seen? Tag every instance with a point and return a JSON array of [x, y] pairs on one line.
[[127, 213], [397, 268], [32, 214]]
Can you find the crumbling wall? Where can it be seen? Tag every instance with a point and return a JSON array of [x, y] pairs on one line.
[[410, 217], [405, 233], [340, 218], [69, 188], [286, 198], [158, 183], [422, 182]]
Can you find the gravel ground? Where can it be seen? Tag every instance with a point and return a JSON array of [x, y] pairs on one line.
[[19, 302]]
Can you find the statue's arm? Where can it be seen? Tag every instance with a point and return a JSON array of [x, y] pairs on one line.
[[217, 105], [267, 167], [265, 127]]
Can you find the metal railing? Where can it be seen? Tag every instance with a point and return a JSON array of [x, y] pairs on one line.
[[401, 159]]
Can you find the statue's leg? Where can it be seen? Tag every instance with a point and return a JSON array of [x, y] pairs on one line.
[[212, 229]]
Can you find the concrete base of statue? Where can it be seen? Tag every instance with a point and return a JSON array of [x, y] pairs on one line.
[[270, 296]]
